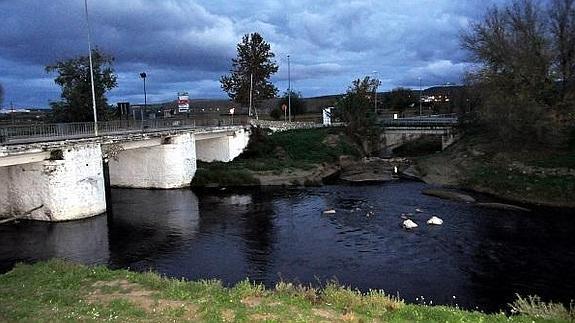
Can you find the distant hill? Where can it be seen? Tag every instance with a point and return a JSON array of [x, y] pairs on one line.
[[313, 104]]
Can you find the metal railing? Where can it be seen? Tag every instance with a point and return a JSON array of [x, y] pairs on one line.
[[73, 130], [420, 122]]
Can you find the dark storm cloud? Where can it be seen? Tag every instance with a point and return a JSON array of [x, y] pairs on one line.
[[188, 45]]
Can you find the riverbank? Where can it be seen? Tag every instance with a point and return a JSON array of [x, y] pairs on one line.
[[293, 157], [62, 291], [476, 163]]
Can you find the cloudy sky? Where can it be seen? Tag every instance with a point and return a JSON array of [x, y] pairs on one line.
[[186, 45]]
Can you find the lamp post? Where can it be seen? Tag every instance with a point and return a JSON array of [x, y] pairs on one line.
[[375, 90], [419, 78], [289, 89], [91, 69], [143, 75]]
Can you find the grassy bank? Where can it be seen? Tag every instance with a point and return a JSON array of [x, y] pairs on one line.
[[521, 173], [277, 153], [61, 291]]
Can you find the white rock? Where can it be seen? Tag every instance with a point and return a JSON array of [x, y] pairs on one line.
[[435, 221], [408, 224]]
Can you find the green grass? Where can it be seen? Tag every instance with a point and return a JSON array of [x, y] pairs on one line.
[[282, 151], [57, 291], [512, 183]]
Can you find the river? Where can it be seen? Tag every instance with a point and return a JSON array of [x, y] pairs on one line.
[[478, 259]]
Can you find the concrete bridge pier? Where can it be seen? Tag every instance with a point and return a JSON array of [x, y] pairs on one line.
[[162, 163], [67, 183], [218, 146]]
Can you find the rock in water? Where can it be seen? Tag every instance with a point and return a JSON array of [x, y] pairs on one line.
[[447, 194], [329, 211], [408, 224], [502, 206], [435, 221]]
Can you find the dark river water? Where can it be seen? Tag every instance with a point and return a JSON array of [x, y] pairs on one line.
[[479, 258]]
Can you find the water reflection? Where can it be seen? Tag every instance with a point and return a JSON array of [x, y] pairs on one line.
[[147, 224], [84, 241], [481, 256]]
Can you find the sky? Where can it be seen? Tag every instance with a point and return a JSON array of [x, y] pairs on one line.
[[187, 45]]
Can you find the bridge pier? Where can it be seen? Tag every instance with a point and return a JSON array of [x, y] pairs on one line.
[[163, 163], [68, 185], [215, 147]]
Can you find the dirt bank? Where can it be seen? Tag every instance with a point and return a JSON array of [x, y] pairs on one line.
[[518, 176]]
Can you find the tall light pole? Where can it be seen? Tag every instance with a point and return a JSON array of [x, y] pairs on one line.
[[91, 69], [289, 90], [143, 75], [375, 90], [419, 78]]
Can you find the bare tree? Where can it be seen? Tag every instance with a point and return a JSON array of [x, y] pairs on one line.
[[562, 27]]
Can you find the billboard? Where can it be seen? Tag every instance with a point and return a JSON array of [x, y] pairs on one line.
[[183, 102]]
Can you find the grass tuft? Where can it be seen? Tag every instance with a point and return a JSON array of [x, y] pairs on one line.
[[535, 307]]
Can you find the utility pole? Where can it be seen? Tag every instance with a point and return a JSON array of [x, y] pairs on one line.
[[251, 95], [91, 69], [143, 75], [375, 91], [289, 89], [419, 96]]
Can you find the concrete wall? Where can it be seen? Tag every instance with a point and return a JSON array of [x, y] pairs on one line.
[[223, 148], [69, 188], [169, 165]]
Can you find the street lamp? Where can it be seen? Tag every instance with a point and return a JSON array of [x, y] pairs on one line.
[[375, 90], [419, 78], [91, 69], [289, 89], [143, 76]]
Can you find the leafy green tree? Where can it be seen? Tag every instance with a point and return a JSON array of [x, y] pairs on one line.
[[254, 60], [298, 105], [355, 109], [74, 78]]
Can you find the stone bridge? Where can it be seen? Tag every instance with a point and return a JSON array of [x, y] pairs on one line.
[[65, 179], [397, 132]]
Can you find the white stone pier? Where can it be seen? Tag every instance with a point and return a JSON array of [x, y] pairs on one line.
[[64, 179], [69, 184], [163, 163]]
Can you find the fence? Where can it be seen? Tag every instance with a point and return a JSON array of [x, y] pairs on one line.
[[58, 131]]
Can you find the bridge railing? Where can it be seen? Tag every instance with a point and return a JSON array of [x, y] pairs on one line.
[[58, 131], [420, 122]]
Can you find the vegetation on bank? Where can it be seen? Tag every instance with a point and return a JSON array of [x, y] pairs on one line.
[[62, 291], [302, 149], [533, 174]]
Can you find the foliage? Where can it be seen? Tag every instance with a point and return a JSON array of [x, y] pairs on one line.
[[535, 307], [255, 59], [521, 58], [74, 78], [292, 149], [218, 173], [400, 99], [355, 108], [298, 106], [57, 291]]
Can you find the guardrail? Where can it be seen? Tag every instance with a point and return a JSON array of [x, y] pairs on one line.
[[59, 131], [419, 122]]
